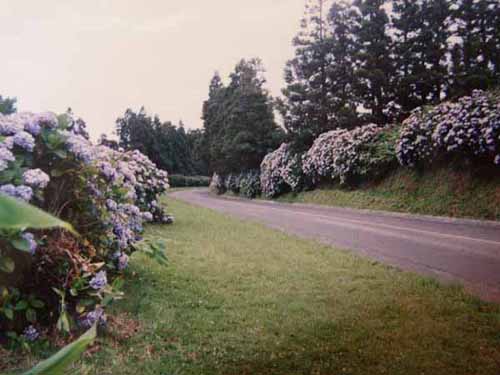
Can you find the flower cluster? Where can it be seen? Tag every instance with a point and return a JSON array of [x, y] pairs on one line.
[[281, 171], [217, 184], [250, 184], [107, 195], [469, 127], [232, 183], [343, 155]]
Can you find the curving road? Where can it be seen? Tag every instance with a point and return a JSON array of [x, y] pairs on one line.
[[464, 251]]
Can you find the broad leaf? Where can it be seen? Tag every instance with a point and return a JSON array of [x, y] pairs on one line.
[[18, 215], [56, 364], [7, 265]]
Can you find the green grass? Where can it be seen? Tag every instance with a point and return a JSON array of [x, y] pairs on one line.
[[238, 298], [441, 192]]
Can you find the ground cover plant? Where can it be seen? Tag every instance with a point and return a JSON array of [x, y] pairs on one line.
[[55, 279], [251, 300]]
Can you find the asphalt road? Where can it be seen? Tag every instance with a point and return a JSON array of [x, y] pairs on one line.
[[463, 251]]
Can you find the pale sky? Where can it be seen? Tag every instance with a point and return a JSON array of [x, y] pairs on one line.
[[100, 57]]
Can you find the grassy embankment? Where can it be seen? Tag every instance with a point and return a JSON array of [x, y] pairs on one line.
[[238, 298], [441, 192]]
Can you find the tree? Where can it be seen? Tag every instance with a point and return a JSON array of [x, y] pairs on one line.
[[239, 121], [305, 108], [476, 47], [375, 69], [165, 144], [7, 105], [407, 26]]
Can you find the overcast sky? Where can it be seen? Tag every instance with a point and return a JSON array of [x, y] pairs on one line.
[[100, 57]]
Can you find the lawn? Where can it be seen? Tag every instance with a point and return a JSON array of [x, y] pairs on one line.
[[238, 298], [442, 192]]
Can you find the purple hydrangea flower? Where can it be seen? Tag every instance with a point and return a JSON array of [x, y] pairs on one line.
[[31, 240], [31, 334], [20, 192], [122, 262], [99, 281], [24, 192], [24, 140], [148, 216], [36, 178], [91, 317], [6, 156]]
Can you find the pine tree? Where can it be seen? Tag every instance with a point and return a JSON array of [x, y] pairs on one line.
[[239, 120], [341, 97], [374, 62], [475, 52], [407, 25], [7, 105], [305, 109]]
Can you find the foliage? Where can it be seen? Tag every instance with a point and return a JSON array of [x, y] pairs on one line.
[[232, 183], [55, 277], [281, 171], [56, 364], [238, 120], [168, 146], [188, 181], [349, 156], [7, 105], [355, 58], [217, 184], [467, 129], [250, 184]]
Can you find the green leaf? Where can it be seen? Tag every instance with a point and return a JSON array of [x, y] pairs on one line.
[[21, 244], [61, 153], [7, 265], [37, 304], [56, 364], [18, 215], [9, 313], [21, 305], [31, 315], [63, 323]]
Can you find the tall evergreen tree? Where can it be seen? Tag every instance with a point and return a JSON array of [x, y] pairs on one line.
[[7, 105], [305, 108], [407, 26], [374, 61], [341, 98], [475, 51], [239, 121]]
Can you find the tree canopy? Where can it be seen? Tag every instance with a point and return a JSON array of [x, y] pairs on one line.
[[238, 120]]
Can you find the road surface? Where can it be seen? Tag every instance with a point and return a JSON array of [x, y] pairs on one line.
[[463, 251]]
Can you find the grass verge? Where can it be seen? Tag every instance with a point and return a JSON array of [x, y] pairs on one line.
[[238, 298], [441, 192]]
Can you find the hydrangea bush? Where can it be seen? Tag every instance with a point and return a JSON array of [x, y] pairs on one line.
[[107, 195], [217, 184], [250, 184], [349, 156], [281, 171], [468, 128]]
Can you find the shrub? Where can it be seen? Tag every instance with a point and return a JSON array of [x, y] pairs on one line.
[[217, 184], [188, 181], [467, 129], [106, 195], [349, 156], [250, 184], [281, 171], [232, 183]]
